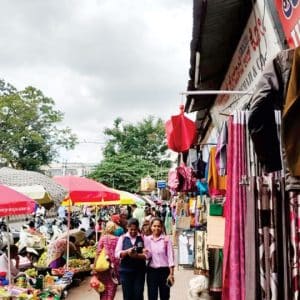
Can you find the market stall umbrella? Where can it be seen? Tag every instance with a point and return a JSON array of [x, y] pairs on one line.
[[12, 177], [86, 191], [35, 192], [126, 198], [13, 203], [181, 132]]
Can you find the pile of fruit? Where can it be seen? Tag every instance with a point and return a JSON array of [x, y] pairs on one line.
[[31, 273], [42, 262], [88, 252], [79, 265]]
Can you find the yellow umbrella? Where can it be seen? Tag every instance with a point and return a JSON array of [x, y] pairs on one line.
[[126, 198], [36, 192]]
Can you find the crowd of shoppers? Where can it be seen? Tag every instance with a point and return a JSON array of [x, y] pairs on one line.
[[137, 253]]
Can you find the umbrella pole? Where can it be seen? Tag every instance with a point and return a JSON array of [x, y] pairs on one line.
[[8, 251], [68, 234], [96, 227]]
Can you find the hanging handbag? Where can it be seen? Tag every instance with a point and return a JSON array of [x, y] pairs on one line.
[[183, 223], [102, 264]]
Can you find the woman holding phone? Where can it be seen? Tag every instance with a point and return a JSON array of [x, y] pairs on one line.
[[160, 271], [130, 251]]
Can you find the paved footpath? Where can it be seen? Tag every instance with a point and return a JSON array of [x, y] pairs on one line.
[[178, 291]]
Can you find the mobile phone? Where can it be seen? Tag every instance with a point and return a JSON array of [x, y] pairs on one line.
[[169, 283]]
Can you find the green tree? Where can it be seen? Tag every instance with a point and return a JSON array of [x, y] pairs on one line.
[[124, 171], [29, 133], [145, 140], [133, 151]]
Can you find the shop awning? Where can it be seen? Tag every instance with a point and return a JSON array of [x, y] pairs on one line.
[[217, 28]]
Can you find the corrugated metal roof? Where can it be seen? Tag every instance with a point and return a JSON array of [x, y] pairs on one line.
[[217, 28]]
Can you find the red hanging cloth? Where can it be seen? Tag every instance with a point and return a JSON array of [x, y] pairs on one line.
[[181, 132]]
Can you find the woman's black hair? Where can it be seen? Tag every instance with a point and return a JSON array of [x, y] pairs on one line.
[[157, 219], [133, 221], [31, 224]]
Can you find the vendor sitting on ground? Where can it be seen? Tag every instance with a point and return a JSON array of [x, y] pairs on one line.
[[14, 261], [57, 251]]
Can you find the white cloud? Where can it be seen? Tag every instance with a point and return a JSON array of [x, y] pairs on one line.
[[98, 59]]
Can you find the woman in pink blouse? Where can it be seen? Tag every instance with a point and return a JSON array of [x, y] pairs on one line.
[[160, 272], [109, 242]]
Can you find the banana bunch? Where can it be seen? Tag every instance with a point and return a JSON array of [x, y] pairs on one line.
[[31, 273], [42, 262], [88, 252]]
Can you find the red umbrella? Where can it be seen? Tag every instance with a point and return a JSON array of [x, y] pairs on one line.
[[86, 190], [181, 132], [14, 203]]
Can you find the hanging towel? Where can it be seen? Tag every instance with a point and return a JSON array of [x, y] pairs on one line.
[[216, 183]]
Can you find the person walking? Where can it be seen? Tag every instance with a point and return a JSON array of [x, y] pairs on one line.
[[109, 278], [160, 271], [130, 249]]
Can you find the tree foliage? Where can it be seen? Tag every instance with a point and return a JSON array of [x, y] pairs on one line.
[[133, 151], [124, 171], [29, 133], [145, 140]]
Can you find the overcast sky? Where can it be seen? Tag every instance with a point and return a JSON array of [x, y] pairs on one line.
[[98, 59]]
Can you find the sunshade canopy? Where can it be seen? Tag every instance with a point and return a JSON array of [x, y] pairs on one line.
[[12, 177], [14, 203], [36, 192], [85, 191]]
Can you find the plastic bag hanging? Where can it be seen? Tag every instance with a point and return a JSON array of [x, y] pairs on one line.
[[180, 131]]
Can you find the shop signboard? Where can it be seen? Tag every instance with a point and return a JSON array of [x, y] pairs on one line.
[[258, 44], [161, 184], [289, 15]]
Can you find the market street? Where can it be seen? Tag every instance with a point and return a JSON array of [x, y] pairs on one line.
[[178, 291]]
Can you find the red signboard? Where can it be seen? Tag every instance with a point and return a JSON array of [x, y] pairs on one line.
[[289, 14]]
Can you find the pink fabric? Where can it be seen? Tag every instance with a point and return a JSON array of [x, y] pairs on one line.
[[161, 251], [109, 243], [235, 210]]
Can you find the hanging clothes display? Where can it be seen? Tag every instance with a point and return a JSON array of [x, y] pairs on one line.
[[279, 88], [235, 211], [216, 183]]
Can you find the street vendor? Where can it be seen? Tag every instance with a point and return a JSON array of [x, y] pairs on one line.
[[14, 261], [58, 249]]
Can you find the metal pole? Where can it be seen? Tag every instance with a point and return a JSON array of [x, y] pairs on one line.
[[68, 233], [8, 251], [216, 92], [96, 226]]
